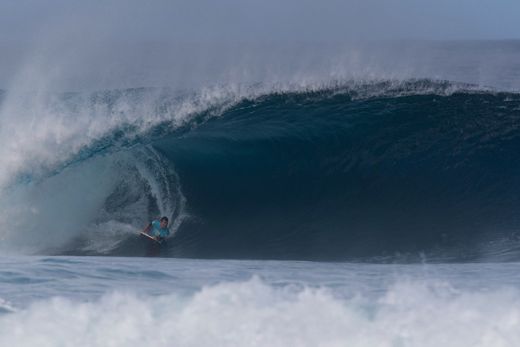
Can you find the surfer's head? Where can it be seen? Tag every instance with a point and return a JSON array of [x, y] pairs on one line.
[[164, 222]]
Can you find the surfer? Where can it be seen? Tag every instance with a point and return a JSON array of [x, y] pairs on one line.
[[158, 229]]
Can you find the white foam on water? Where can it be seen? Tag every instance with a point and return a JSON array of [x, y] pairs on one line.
[[253, 313], [6, 306]]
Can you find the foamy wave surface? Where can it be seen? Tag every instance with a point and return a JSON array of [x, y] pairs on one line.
[[253, 313]]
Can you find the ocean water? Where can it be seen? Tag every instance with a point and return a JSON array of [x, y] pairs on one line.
[[98, 301], [370, 209], [393, 170]]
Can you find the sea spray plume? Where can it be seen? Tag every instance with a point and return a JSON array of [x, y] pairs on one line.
[[48, 134], [40, 130], [147, 186], [41, 134]]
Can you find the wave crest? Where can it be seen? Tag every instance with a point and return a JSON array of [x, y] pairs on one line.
[[349, 170]]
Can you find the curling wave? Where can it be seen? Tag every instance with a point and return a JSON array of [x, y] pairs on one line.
[[376, 171]]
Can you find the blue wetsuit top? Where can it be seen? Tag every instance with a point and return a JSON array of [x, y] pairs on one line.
[[158, 231]]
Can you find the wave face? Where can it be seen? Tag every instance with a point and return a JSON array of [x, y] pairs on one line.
[[381, 171]]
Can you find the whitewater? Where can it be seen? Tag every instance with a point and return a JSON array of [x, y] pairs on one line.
[[347, 207], [127, 302]]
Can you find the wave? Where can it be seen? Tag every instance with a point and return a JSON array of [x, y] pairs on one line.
[[381, 171], [407, 313]]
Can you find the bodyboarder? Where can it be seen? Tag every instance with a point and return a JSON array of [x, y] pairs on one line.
[[158, 229]]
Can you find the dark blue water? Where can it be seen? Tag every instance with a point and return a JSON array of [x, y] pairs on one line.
[[326, 176], [385, 171]]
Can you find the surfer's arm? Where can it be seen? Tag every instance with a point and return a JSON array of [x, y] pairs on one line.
[[147, 229]]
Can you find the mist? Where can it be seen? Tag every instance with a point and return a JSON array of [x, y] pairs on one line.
[[72, 45]]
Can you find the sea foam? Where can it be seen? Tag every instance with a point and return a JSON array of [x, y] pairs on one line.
[[253, 313]]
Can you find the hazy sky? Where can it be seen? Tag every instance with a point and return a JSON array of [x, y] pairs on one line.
[[121, 43], [244, 20]]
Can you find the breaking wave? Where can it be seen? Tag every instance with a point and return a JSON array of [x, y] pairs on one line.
[[379, 171], [257, 314]]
